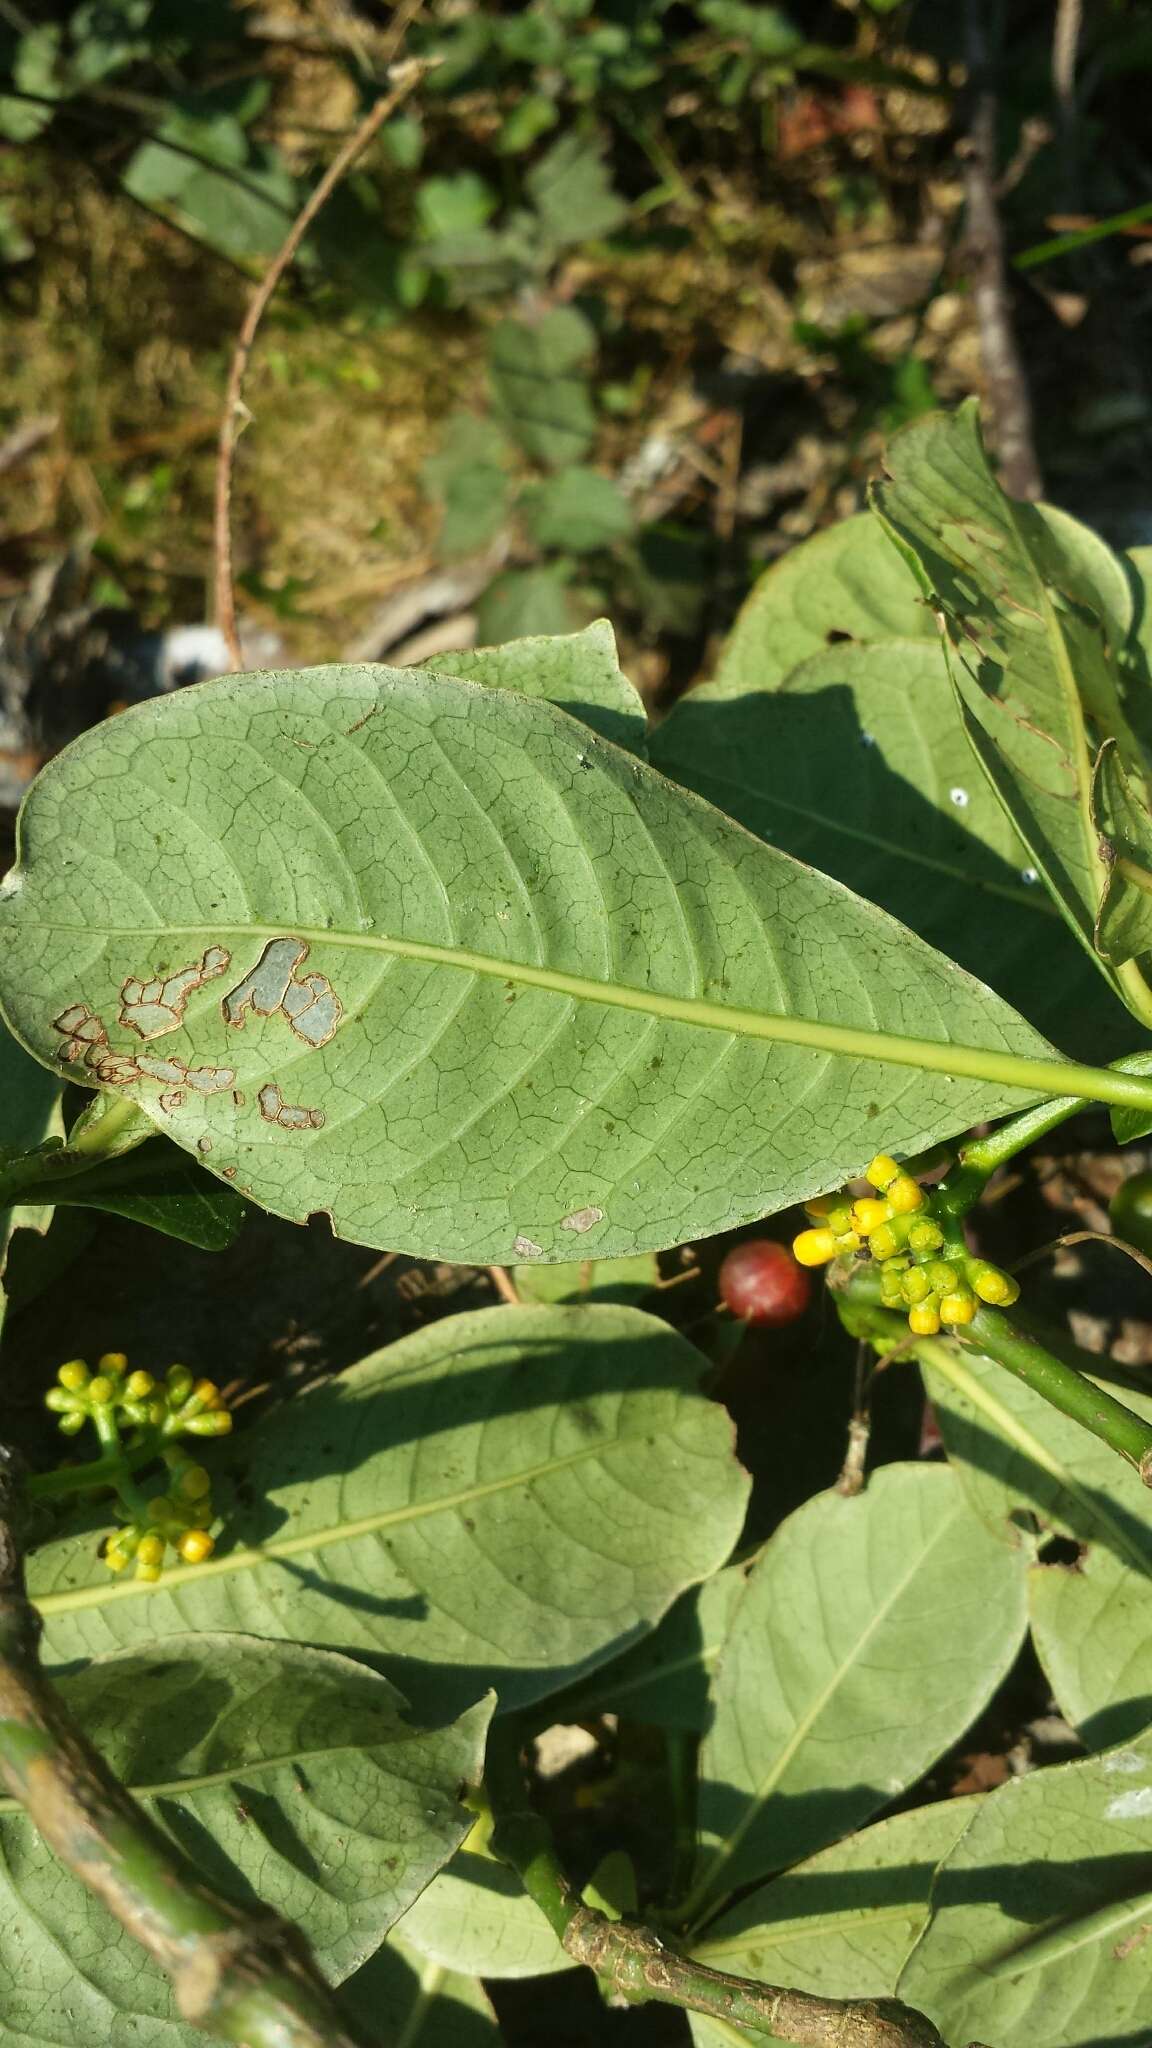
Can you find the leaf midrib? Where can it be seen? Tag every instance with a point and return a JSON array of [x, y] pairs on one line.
[[250, 1556], [178, 1788], [1033, 1076]]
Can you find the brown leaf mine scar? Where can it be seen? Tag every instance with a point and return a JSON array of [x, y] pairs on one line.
[[309, 1002], [150, 1008], [290, 1116]]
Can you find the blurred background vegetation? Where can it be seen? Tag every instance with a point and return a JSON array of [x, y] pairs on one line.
[[620, 305]]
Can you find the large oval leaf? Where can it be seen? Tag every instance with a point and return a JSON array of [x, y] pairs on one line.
[[842, 1924], [434, 958], [1039, 1936], [505, 1498], [286, 1774], [1022, 1462], [871, 1633]]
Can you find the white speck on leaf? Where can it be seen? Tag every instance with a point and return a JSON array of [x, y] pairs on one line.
[[582, 1220], [1029, 875], [1136, 1805], [525, 1249], [959, 797], [1127, 1763]]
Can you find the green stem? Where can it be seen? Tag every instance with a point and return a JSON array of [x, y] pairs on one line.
[[636, 1963], [983, 1155], [992, 1335], [91, 1478], [1079, 238], [246, 1978]]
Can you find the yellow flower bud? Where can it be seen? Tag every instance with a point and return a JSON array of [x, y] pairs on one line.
[[916, 1286], [923, 1320], [820, 1205], [849, 1241], [868, 1214], [945, 1279], [113, 1362], [207, 1393], [882, 1172], [74, 1423], [925, 1235], [116, 1559], [74, 1375], [957, 1308], [61, 1402], [839, 1219], [217, 1422], [992, 1285], [151, 1550], [905, 1195], [884, 1243], [148, 1572], [139, 1385], [102, 1390], [196, 1546], [814, 1247]]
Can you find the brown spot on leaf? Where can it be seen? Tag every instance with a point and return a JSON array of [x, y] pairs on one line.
[[290, 1116], [172, 1100], [582, 1220], [308, 1002]]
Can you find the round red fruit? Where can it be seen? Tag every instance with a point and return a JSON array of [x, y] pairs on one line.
[[761, 1283]]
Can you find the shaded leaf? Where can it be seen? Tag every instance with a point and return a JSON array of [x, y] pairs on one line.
[[1041, 1913], [590, 1280], [578, 672], [578, 510], [872, 1631], [1121, 817], [506, 1497], [667, 1680], [1024, 1466], [528, 602], [158, 1186], [571, 189], [427, 2006], [476, 1918], [1036, 611], [442, 963], [470, 473], [285, 1774], [842, 1924], [539, 378]]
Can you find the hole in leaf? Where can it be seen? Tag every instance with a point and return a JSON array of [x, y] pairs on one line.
[[1062, 1550]]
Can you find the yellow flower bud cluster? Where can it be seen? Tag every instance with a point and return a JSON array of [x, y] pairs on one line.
[[178, 1405], [178, 1519], [906, 1240]]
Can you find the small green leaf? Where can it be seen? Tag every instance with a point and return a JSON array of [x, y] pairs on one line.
[[841, 1925], [508, 1497], [578, 672], [539, 376], [1036, 612], [872, 1631], [469, 472], [454, 205], [571, 190], [279, 1770], [1023, 1464], [1040, 1914], [158, 1186], [439, 961], [578, 510], [591, 1280], [528, 603]]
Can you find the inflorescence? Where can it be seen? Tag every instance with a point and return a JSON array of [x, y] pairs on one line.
[[925, 1268], [156, 1414]]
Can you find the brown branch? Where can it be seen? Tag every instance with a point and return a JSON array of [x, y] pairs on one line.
[[1007, 389], [639, 1965], [231, 422], [246, 1978]]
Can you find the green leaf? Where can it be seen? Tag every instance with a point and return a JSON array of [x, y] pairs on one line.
[[846, 583], [284, 1772], [1036, 611], [1039, 1928], [590, 1280], [1121, 817], [1024, 1466], [858, 761], [578, 510], [507, 1497], [160, 1187], [667, 1680], [524, 603], [475, 1918], [437, 960], [571, 190], [427, 2006], [539, 378], [454, 206], [470, 473], [842, 1924], [29, 1099], [871, 1633], [579, 672]]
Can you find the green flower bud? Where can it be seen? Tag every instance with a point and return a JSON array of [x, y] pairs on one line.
[[74, 1375], [72, 1424], [102, 1391], [925, 1235], [179, 1382], [215, 1422], [944, 1278], [61, 1402], [916, 1286]]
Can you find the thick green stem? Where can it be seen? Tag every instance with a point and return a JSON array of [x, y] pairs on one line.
[[981, 1156], [245, 1978], [637, 1963], [993, 1335]]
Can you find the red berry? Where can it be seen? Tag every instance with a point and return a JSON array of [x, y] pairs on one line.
[[761, 1282]]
